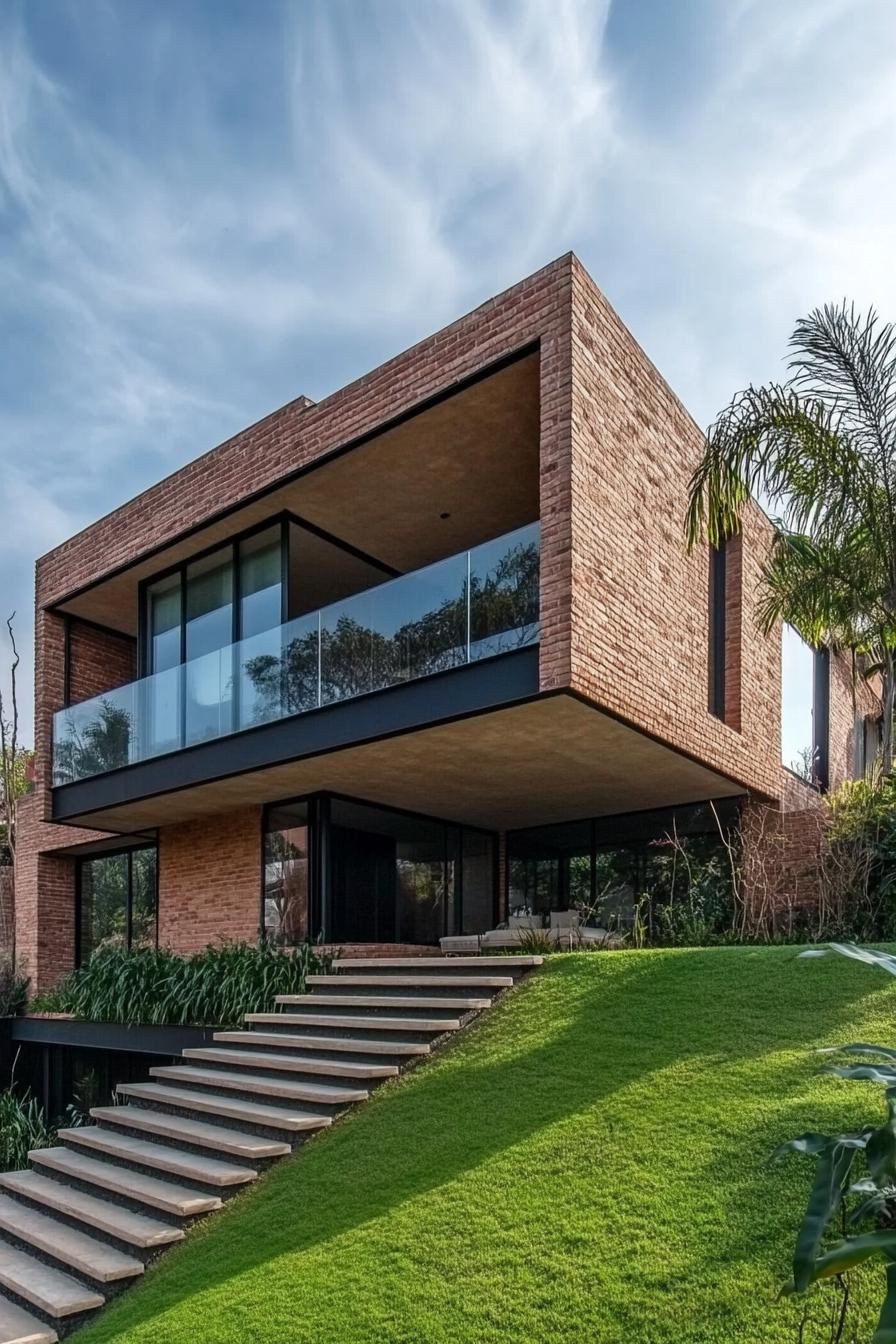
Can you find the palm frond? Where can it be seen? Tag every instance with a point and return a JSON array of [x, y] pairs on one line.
[[774, 443], [821, 588]]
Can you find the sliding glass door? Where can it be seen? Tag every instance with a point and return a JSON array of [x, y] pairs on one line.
[[207, 626]]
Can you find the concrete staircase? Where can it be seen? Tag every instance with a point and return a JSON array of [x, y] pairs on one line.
[[89, 1215]]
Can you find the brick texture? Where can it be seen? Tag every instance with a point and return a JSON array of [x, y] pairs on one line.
[[100, 661], [7, 910], [210, 880]]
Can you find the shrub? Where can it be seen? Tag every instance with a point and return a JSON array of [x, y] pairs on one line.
[[852, 1195], [23, 1126], [13, 988], [216, 987]]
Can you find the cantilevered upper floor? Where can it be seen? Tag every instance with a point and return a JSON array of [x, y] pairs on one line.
[[490, 520]]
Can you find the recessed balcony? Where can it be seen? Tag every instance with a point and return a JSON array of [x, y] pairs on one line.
[[461, 610]]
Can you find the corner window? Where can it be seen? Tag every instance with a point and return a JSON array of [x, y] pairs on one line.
[[805, 700], [117, 901]]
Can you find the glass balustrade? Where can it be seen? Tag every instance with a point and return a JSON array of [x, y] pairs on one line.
[[471, 606]]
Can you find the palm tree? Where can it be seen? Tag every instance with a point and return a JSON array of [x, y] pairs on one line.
[[820, 449]]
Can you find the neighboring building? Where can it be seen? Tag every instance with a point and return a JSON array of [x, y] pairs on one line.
[[372, 660]]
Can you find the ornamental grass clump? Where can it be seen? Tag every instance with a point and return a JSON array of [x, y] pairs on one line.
[[215, 987], [23, 1127]]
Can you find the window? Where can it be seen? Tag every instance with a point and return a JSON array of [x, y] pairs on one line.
[[605, 865], [117, 901], [356, 873], [205, 606], [286, 875], [717, 595], [805, 709]]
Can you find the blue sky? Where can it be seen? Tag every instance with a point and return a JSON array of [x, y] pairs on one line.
[[210, 206]]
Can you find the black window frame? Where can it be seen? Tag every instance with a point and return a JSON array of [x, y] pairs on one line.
[[129, 850], [645, 825], [718, 632], [320, 839]]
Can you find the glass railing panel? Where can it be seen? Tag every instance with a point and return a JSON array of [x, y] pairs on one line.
[[425, 617], [504, 581], [277, 672], [95, 736], [409, 627], [158, 720], [208, 696]]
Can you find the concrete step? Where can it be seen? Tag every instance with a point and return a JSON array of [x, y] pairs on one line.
[[173, 1161], [265, 1059], [257, 1084], [47, 1289], [352, 1002], [181, 1200], [18, 1326], [446, 965], [369, 1023], [434, 981], [233, 1142], [327, 1045], [136, 1229], [76, 1250], [229, 1108]]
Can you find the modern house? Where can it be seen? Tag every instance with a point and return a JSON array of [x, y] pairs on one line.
[[380, 668]]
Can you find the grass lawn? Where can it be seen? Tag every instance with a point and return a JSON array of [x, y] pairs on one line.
[[588, 1163]]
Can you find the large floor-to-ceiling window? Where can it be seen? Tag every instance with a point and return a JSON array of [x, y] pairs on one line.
[[351, 872], [609, 867], [117, 901]]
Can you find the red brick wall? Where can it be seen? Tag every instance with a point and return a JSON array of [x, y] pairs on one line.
[[45, 892], [7, 910], [45, 903], [640, 624], [210, 880], [99, 661]]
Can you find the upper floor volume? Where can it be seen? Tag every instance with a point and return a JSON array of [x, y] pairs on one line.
[[457, 557], [228, 642]]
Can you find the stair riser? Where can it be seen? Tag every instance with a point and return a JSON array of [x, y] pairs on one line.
[[113, 1197], [321, 1051], [386, 990], [293, 1137], [63, 1325], [144, 1253], [117, 1243], [160, 1173], [447, 967], [287, 1075], [327, 1108], [257, 1164], [109, 1288], [370, 1033], [311, 1007]]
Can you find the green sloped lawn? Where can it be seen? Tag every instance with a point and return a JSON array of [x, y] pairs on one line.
[[587, 1163]]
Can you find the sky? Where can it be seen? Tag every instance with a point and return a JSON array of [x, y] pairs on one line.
[[208, 207]]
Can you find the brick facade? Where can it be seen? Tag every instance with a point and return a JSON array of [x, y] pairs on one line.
[[210, 880], [7, 909], [99, 660]]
